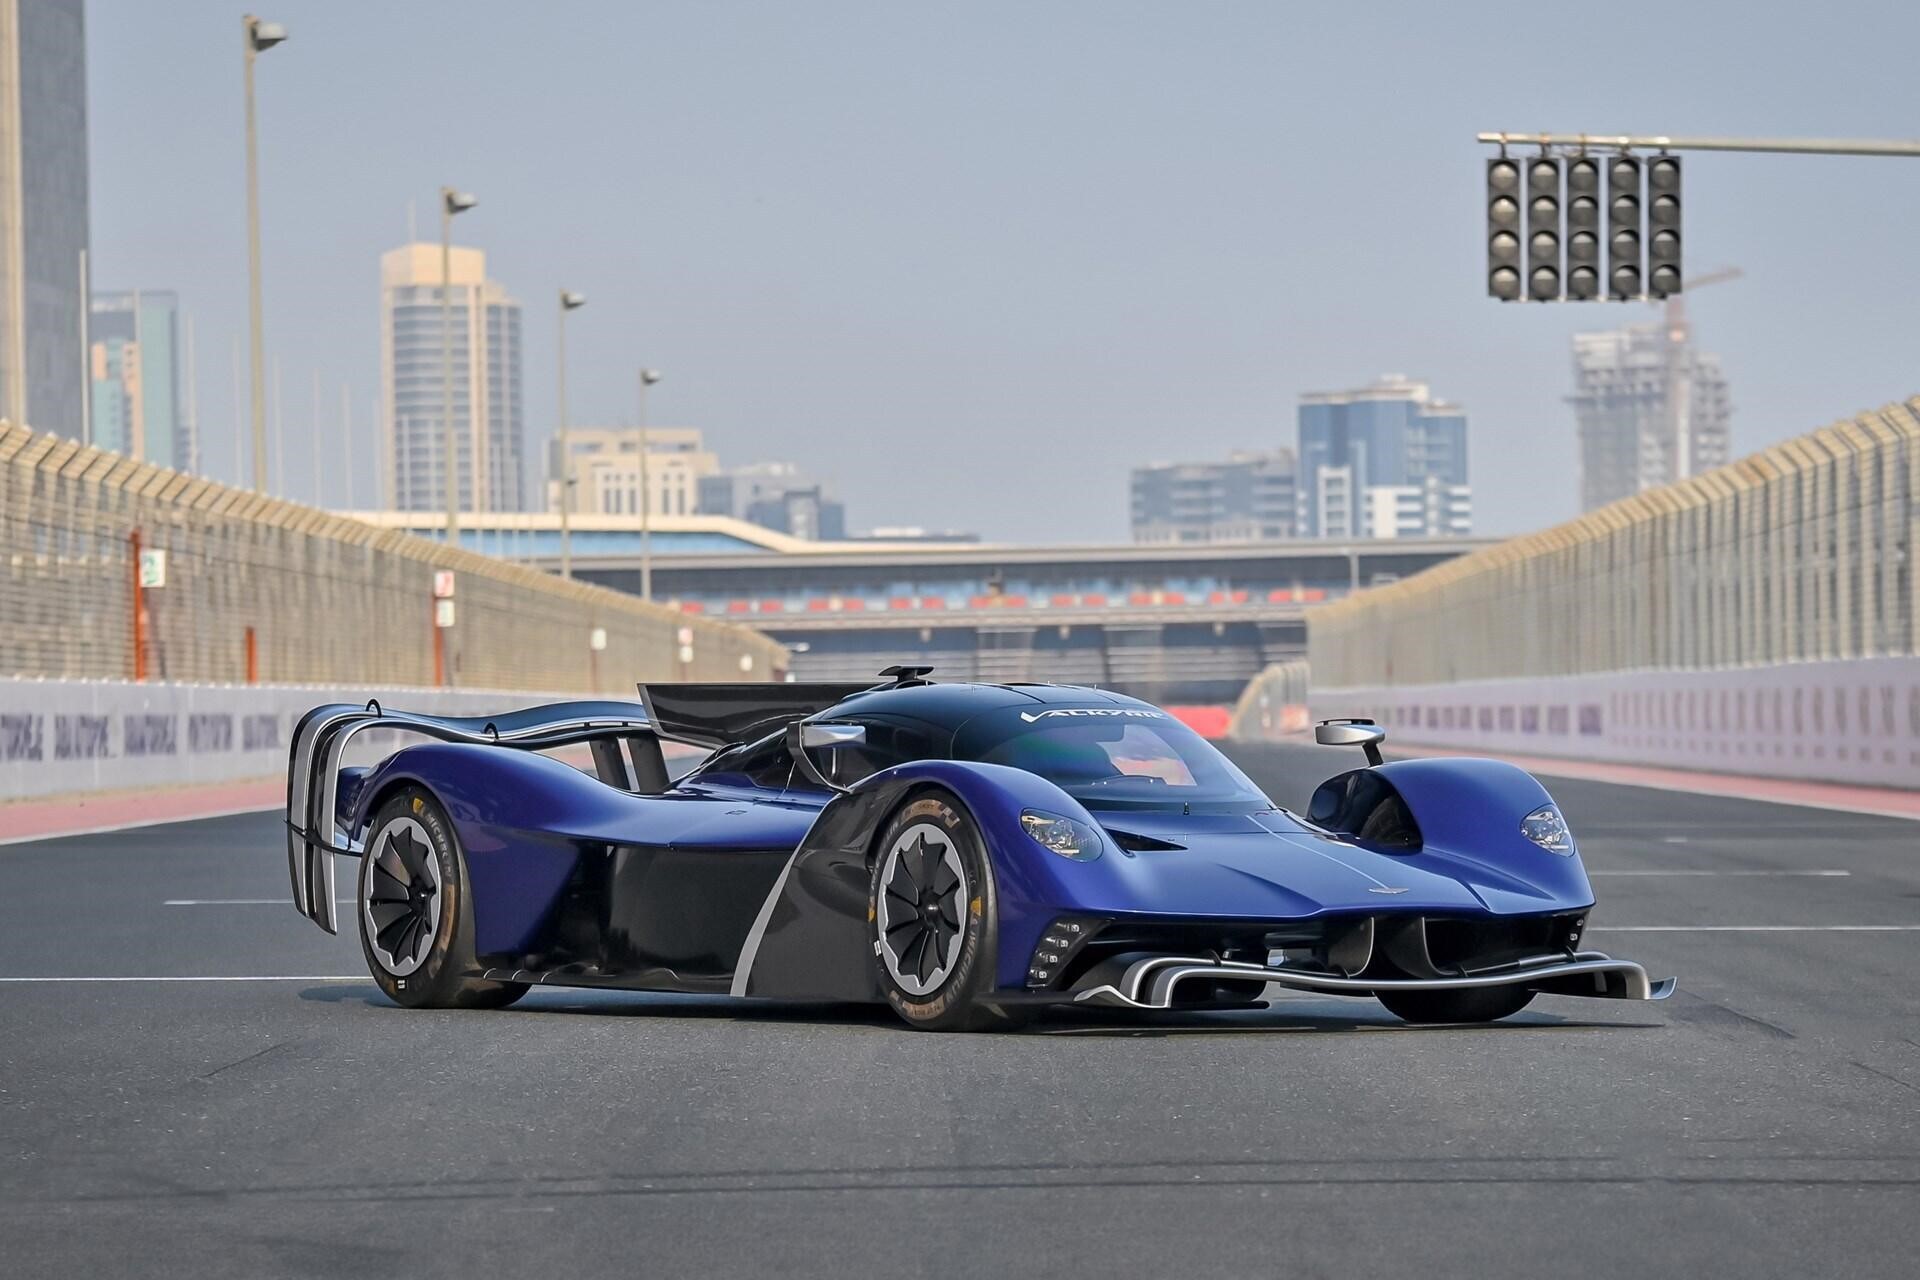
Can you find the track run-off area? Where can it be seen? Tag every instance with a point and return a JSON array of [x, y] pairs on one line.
[[194, 1081]]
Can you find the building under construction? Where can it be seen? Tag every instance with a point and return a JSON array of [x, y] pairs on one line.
[[1651, 409]]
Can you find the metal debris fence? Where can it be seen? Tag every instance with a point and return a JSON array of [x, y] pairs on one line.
[[1803, 552], [257, 589]]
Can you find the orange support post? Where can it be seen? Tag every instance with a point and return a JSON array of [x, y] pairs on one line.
[[139, 611], [253, 657]]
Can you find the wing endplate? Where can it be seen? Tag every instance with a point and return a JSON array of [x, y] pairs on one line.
[[319, 748]]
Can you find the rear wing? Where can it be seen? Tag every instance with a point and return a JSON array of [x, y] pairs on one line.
[[319, 748], [720, 715]]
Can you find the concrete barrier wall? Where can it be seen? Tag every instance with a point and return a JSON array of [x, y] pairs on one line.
[[73, 736], [1855, 721]]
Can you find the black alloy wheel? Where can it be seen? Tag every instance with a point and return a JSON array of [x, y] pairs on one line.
[[416, 919], [931, 904]]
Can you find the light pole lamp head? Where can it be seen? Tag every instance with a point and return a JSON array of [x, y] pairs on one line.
[[264, 35], [457, 201], [571, 301], [650, 376]]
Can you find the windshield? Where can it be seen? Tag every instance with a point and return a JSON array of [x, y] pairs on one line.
[[1111, 758]]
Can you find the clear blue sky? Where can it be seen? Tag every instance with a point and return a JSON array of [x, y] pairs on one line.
[[971, 262]]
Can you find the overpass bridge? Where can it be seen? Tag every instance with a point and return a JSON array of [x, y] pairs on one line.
[[1183, 623]]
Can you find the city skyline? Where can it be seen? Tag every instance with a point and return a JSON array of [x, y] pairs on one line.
[[1387, 460], [766, 270]]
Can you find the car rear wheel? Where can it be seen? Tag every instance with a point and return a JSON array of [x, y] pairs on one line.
[[416, 923], [1468, 1004], [930, 902]]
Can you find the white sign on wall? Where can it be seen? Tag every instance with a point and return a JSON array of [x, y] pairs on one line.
[[153, 568]]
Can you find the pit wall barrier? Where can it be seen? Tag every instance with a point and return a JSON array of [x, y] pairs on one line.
[[60, 737], [1855, 721]]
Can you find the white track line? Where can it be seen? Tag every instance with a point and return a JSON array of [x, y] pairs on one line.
[[1754, 928], [1719, 873], [270, 977], [238, 902]]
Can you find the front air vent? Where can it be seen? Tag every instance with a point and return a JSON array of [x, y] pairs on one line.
[[1132, 842]]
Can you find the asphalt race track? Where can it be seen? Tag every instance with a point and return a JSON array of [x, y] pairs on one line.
[[289, 1122]]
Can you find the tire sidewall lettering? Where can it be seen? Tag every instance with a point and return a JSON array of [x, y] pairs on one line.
[[965, 976]]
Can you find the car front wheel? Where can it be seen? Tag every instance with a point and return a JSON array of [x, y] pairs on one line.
[[930, 902]]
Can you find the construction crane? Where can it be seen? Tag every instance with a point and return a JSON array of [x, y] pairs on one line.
[[1679, 372], [1676, 304]]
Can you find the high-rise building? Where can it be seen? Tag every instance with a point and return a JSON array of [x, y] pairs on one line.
[[774, 495], [134, 362], [1250, 496], [1650, 409], [1392, 434], [43, 214], [1430, 509], [609, 469], [488, 421]]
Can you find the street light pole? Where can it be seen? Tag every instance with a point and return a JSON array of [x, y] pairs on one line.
[[647, 378], [1661, 142], [256, 37], [569, 301], [451, 202]]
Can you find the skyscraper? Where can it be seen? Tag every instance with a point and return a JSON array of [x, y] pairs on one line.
[[43, 213], [134, 360], [1391, 435], [487, 412], [1650, 409], [1249, 497]]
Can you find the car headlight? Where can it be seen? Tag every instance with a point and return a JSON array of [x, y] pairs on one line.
[[1064, 836], [1546, 828]]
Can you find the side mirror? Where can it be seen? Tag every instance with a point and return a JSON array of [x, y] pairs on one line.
[[1364, 734], [805, 736], [831, 735]]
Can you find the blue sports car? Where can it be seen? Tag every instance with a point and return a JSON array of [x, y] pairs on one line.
[[967, 853]]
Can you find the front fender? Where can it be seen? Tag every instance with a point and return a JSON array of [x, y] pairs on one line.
[[812, 940], [1469, 812]]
